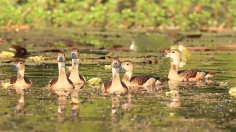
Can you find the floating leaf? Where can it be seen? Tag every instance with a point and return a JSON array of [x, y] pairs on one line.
[[232, 91], [6, 84], [107, 67], [172, 113], [36, 58], [68, 68], [94, 81], [172, 93], [6, 54]]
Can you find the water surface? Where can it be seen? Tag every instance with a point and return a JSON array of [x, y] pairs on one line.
[[204, 106]]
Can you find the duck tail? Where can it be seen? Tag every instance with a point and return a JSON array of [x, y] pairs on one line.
[[209, 74], [159, 81]]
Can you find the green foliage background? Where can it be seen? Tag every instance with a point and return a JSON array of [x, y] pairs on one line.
[[187, 14]]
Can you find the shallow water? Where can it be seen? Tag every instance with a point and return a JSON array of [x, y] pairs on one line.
[[205, 106]]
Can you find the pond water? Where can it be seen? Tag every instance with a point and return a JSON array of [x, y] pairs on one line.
[[203, 106]]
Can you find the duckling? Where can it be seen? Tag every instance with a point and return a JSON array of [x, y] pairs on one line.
[[144, 81], [61, 85], [115, 85], [20, 83], [184, 75]]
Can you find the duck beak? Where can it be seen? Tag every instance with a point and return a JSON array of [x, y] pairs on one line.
[[73, 56], [166, 56], [122, 68], [116, 65], [61, 59], [15, 67]]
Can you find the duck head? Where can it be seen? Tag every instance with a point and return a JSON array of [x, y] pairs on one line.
[[127, 66], [19, 65], [74, 53], [175, 56], [61, 57], [115, 63]]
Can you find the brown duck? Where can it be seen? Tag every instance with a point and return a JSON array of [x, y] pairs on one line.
[[61, 86], [184, 75], [144, 81], [20, 83], [115, 86]]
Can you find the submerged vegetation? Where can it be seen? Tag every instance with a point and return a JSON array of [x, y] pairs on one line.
[[122, 14]]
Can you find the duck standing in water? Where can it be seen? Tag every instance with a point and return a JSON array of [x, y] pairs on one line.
[[61, 86], [115, 86], [20, 83], [184, 75], [135, 82], [77, 79]]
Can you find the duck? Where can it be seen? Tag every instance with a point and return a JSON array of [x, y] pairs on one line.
[[74, 75], [184, 75], [20, 52], [20, 83], [77, 79], [144, 81], [61, 86], [115, 86]]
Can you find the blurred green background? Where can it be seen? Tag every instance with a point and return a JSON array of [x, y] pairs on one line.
[[185, 15]]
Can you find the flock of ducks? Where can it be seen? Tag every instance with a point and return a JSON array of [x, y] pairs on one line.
[[70, 84]]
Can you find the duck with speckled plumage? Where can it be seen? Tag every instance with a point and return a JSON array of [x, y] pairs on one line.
[[140, 81], [184, 75]]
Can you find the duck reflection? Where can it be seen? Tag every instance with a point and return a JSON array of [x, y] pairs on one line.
[[125, 105], [21, 102], [75, 105], [173, 94]]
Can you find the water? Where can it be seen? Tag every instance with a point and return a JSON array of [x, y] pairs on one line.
[[206, 106]]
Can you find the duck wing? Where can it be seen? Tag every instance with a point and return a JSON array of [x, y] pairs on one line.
[[52, 81], [106, 85], [190, 73], [140, 79], [27, 80], [13, 79]]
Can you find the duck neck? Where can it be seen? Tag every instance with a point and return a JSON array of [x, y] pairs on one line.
[[20, 74], [75, 67], [115, 75], [127, 76], [62, 71], [173, 73]]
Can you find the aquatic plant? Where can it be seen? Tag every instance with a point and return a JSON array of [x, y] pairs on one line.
[[184, 14]]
